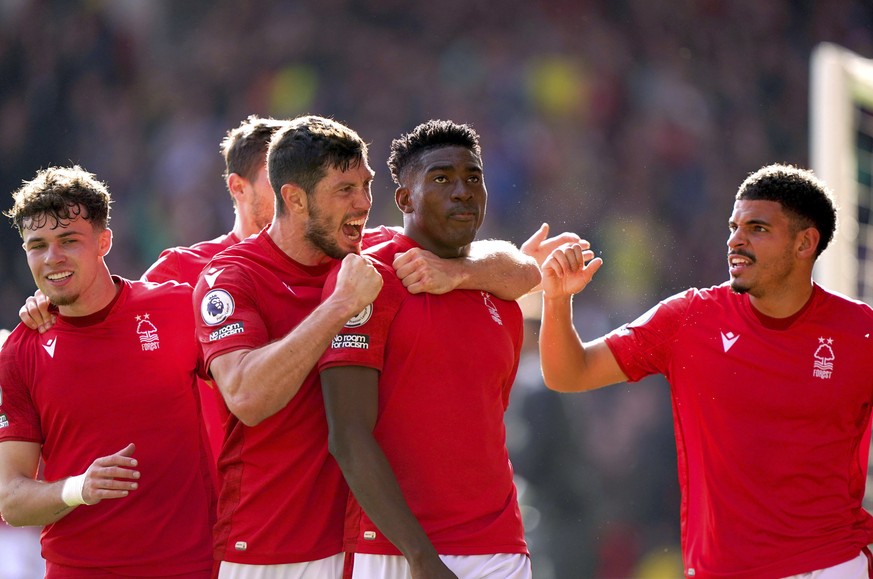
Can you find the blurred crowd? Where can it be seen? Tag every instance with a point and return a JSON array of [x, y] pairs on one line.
[[631, 122]]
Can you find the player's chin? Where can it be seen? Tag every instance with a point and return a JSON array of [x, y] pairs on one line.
[[738, 286]]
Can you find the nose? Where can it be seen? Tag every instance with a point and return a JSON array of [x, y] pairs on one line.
[[735, 239], [53, 254], [364, 200], [462, 191]]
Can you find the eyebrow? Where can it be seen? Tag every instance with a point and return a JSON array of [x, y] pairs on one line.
[[60, 236], [750, 222], [449, 166]]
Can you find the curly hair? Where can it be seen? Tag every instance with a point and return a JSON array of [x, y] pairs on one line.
[[59, 195], [408, 149], [801, 194]]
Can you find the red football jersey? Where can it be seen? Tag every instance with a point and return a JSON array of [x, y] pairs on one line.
[[447, 363], [89, 386], [282, 496], [769, 415], [184, 264]]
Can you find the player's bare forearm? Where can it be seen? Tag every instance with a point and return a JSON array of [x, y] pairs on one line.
[[493, 266], [25, 501], [351, 404], [257, 383], [568, 364]]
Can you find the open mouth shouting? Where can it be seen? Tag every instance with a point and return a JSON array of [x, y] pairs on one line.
[[353, 229]]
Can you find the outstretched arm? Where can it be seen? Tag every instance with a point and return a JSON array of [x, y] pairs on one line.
[[25, 501], [569, 365], [258, 383], [351, 399]]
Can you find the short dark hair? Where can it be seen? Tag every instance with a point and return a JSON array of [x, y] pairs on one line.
[[244, 148], [302, 151], [408, 149], [801, 194], [60, 195]]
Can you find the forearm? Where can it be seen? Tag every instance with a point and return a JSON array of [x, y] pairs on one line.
[[371, 479], [497, 267], [562, 354], [26, 502], [267, 378]]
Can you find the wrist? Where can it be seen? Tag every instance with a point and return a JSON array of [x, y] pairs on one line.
[[71, 493]]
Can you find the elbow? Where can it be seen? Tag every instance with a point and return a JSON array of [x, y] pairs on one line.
[[11, 520], [8, 514], [339, 447], [563, 385], [557, 386], [246, 409], [534, 277]]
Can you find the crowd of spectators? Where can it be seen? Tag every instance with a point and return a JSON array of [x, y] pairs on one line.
[[631, 122]]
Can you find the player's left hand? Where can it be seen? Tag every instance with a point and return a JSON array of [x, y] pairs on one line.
[[568, 270]]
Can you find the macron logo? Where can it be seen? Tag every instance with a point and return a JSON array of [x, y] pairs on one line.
[[50, 346], [728, 340], [212, 276]]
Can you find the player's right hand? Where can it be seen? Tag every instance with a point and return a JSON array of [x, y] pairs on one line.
[[111, 477], [568, 269], [35, 313], [433, 568], [358, 281]]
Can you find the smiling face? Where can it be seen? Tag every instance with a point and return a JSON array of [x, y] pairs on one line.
[[763, 249], [444, 200], [66, 261], [338, 209]]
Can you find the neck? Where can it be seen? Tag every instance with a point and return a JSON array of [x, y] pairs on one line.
[[94, 298], [439, 250], [784, 303], [290, 237], [243, 228]]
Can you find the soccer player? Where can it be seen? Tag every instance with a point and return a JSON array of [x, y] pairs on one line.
[[263, 326], [772, 385], [244, 149], [107, 396], [417, 385]]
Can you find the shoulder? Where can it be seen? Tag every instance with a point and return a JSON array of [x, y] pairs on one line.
[[20, 337], [378, 235], [842, 307], [166, 292]]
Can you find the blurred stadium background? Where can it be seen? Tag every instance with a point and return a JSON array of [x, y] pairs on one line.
[[631, 122]]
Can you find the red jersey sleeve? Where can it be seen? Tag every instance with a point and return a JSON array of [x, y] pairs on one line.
[[166, 268], [19, 419], [644, 346], [226, 312]]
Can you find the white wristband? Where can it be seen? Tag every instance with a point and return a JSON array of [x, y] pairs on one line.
[[71, 494]]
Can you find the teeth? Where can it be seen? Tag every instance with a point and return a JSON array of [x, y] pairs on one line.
[[357, 222], [57, 276]]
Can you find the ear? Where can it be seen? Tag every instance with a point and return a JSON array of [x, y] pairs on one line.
[[403, 199], [808, 242], [295, 198], [104, 242], [236, 184]]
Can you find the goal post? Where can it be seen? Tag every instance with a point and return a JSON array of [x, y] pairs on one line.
[[841, 153]]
